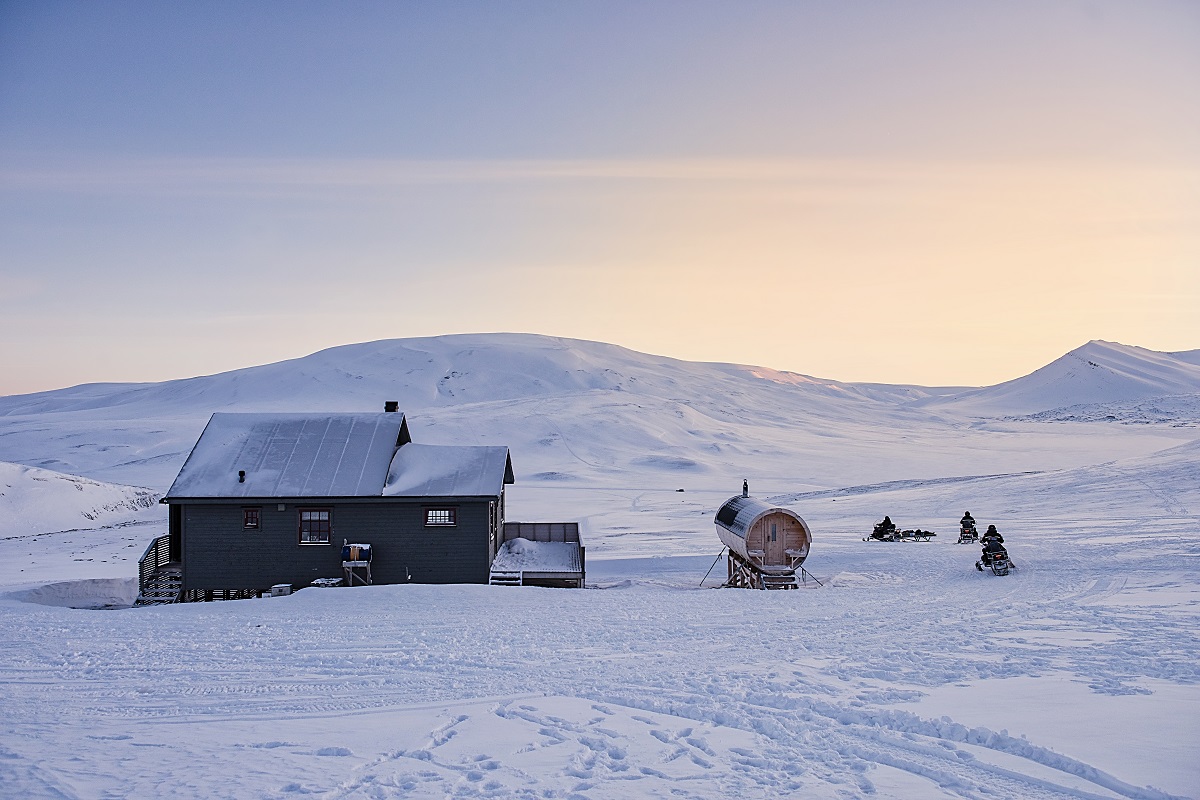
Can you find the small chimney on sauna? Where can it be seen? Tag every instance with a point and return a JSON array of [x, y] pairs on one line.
[[745, 488], [391, 406], [241, 476]]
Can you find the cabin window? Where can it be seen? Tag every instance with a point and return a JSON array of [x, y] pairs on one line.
[[774, 529], [316, 525], [441, 516], [250, 518]]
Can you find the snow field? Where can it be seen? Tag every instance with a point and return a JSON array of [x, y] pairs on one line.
[[888, 682], [907, 675]]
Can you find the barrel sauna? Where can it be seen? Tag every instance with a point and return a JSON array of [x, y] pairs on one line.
[[767, 544]]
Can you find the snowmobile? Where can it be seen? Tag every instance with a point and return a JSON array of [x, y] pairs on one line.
[[996, 560], [967, 534], [882, 533]]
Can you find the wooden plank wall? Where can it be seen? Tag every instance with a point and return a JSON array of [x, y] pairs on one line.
[[219, 554]]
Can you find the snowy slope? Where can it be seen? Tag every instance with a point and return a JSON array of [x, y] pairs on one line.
[[36, 500], [1188, 356], [908, 674], [1096, 373], [425, 372], [567, 408], [142, 433]]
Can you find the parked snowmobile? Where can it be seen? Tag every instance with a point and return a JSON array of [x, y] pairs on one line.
[[884, 532]]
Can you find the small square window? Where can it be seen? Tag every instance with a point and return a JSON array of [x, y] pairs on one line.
[[441, 516], [250, 518]]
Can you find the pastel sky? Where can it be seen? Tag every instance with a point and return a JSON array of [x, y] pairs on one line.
[[942, 193]]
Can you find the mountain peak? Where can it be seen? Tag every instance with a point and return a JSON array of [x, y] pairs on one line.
[[1094, 373]]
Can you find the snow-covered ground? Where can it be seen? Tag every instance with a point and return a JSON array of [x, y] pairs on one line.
[[906, 674]]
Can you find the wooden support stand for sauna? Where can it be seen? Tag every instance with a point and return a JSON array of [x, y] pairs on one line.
[[767, 544]]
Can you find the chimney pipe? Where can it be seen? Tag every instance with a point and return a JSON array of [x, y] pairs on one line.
[[745, 488], [391, 406]]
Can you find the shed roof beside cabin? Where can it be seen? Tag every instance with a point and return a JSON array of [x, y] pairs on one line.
[[331, 455]]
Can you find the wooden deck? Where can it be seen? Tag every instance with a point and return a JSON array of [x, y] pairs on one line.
[[539, 554]]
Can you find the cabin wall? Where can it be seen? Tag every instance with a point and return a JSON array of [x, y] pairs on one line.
[[754, 537], [219, 554], [796, 537]]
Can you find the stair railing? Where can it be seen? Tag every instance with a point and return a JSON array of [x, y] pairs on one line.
[[157, 555], [805, 575]]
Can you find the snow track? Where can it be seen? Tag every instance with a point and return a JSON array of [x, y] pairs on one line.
[[648, 690]]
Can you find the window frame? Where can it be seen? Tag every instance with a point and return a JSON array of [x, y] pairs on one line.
[[252, 512], [328, 525], [450, 522]]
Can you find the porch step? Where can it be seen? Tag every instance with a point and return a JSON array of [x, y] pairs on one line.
[[788, 581], [505, 578]]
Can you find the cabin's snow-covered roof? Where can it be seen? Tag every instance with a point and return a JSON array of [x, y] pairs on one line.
[[738, 513], [426, 470], [291, 455]]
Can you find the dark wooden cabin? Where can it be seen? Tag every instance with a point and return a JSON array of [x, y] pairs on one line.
[[267, 499]]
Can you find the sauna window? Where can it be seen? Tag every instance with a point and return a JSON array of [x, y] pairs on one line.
[[774, 530]]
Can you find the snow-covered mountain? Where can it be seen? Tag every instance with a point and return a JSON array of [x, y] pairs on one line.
[[435, 372], [1098, 373], [577, 410]]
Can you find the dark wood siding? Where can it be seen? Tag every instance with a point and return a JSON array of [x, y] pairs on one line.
[[219, 554]]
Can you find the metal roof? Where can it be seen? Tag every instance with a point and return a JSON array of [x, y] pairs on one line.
[[426, 470], [739, 513], [291, 455]]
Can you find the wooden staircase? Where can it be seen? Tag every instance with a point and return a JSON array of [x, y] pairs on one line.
[[164, 585], [505, 578], [160, 580], [784, 581]]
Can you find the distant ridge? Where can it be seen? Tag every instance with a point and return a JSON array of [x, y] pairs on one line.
[[1190, 356], [1098, 372], [433, 371], [577, 410]]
